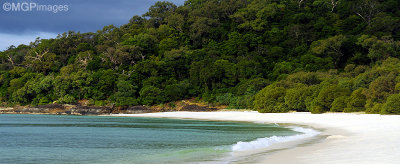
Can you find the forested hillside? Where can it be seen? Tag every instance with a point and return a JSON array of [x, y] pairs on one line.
[[269, 55]]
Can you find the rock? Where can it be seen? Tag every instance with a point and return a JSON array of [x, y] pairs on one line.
[[87, 110], [137, 110]]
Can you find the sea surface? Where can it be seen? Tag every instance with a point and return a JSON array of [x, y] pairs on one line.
[[97, 139]]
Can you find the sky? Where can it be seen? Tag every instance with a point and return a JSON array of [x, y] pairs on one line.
[[22, 21]]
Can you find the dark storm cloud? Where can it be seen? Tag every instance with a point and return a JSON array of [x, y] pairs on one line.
[[82, 15]]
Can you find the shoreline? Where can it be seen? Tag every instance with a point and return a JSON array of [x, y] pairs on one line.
[[345, 138]]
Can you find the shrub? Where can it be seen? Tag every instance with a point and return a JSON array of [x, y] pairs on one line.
[[296, 97], [339, 104], [382, 87], [100, 103], [226, 99], [172, 105], [375, 109], [151, 95], [357, 101], [125, 95], [271, 99], [67, 99], [397, 88], [328, 94], [392, 105], [308, 78], [317, 109], [253, 84], [242, 102], [177, 90], [44, 101], [125, 101]]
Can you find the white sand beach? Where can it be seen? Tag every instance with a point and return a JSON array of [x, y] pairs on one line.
[[345, 138]]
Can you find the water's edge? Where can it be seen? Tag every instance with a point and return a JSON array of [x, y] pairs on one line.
[[248, 152]]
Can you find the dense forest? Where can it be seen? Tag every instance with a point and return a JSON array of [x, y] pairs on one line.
[[267, 55]]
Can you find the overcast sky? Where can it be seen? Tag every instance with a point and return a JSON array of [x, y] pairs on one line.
[[22, 27]]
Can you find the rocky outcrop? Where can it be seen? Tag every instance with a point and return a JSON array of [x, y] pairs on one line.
[[60, 109], [137, 110], [50, 109], [88, 110], [131, 110]]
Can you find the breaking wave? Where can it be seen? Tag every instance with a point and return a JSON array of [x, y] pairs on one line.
[[268, 141]]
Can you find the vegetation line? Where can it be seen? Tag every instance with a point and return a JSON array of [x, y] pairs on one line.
[[268, 55]]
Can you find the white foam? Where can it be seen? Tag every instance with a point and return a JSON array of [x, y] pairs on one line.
[[268, 141]]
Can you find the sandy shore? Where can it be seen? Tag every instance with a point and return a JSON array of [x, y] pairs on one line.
[[345, 138]]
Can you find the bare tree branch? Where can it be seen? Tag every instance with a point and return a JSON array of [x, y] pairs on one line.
[[300, 2], [334, 4], [11, 60]]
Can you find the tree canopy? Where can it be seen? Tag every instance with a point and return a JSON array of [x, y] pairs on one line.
[[314, 55]]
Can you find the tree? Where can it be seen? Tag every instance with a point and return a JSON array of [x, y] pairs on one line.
[[151, 95], [101, 84], [330, 47], [177, 21], [339, 104], [257, 14], [326, 3], [109, 36], [328, 94], [379, 49], [381, 88], [146, 43], [392, 105], [83, 58], [307, 78], [296, 97], [357, 101], [176, 90], [366, 9], [167, 45], [317, 54], [271, 99], [159, 12], [125, 94]]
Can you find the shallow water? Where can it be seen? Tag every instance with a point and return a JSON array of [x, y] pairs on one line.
[[92, 139]]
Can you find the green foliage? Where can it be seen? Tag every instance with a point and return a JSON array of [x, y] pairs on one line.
[[328, 94], [271, 99], [331, 47], [125, 95], [44, 101], [376, 109], [382, 87], [357, 101], [307, 78], [379, 49], [67, 99], [226, 99], [296, 97], [151, 95], [177, 90], [251, 86], [313, 53], [337, 92], [392, 105], [159, 12], [339, 104], [100, 103]]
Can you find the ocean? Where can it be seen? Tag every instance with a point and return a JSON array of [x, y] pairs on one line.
[[102, 139]]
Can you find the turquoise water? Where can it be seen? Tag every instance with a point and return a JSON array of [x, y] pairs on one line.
[[92, 139]]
